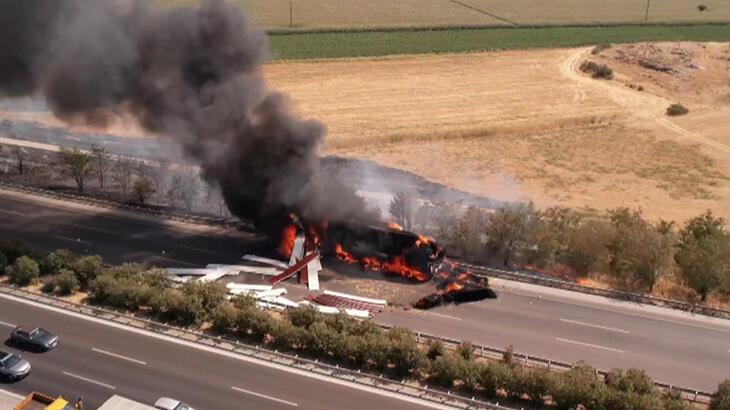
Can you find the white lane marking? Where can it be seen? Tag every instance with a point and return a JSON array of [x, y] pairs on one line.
[[86, 379], [77, 240], [7, 211], [93, 228], [7, 324], [575, 342], [162, 258], [9, 393], [443, 316], [263, 396], [231, 355], [192, 248], [118, 356], [611, 329]]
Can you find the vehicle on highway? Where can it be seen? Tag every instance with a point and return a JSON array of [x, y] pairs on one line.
[[13, 367], [38, 338], [166, 403]]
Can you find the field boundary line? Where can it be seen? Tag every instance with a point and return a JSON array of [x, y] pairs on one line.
[[486, 13]]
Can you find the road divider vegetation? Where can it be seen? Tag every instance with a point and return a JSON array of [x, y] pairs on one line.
[[358, 344]]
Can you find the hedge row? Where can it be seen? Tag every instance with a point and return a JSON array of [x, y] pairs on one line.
[[337, 338]]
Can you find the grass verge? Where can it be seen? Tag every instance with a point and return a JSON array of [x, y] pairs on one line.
[[342, 44]]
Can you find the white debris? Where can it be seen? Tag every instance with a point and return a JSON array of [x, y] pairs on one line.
[[265, 261], [313, 269], [363, 314], [273, 293], [297, 252], [248, 288], [354, 297]]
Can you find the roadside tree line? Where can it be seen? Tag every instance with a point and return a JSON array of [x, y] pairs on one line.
[[623, 246], [359, 344]]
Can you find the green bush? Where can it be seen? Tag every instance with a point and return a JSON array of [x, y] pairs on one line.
[[23, 271], [87, 268], [535, 384], [465, 350], [304, 316], [403, 353], [202, 298], [721, 398], [493, 378], [630, 381], [677, 109], [66, 282], [580, 386], [223, 318], [434, 349], [49, 284], [596, 70], [57, 261], [172, 306], [124, 292], [600, 48], [14, 249]]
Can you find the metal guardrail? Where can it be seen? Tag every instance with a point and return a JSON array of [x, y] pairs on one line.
[[488, 352], [231, 345], [542, 280], [103, 203]]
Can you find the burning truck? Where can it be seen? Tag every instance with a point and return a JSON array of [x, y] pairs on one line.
[[391, 250]]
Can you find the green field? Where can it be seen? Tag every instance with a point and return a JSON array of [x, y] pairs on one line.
[[383, 43], [319, 14]]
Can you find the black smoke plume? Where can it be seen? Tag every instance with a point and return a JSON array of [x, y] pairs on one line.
[[189, 73]]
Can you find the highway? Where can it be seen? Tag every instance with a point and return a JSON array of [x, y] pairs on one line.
[[95, 361], [673, 347]]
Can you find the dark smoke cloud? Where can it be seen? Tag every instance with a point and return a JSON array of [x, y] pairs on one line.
[[189, 73]]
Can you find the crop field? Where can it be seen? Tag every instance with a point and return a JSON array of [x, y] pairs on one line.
[[520, 125], [383, 43], [328, 14]]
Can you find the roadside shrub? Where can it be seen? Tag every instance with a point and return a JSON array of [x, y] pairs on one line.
[[14, 249], [171, 305], [580, 386], [445, 370], [66, 282], [434, 349], [223, 318], [304, 316], [701, 7], [672, 400], [600, 48], [202, 298], [677, 109], [3, 263], [320, 339], [508, 357], [87, 269], [252, 321], [49, 284], [57, 261], [465, 350], [721, 398], [630, 381], [23, 271], [403, 352], [493, 378], [596, 70], [125, 293]]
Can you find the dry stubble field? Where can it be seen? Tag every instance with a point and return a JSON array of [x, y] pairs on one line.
[[527, 125], [309, 14]]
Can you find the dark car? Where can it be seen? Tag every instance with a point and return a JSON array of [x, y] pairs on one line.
[[38, 338], [13, 367]]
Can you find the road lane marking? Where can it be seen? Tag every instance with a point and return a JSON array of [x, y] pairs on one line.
[[9, 393], [162, 258], [118, 356], [8, 324], [93, 228], [77, 240], [7, 211], [443, 316], [611, 329], [263, 396], [575, 342], [192, 248], [86, 379], [234, 356]]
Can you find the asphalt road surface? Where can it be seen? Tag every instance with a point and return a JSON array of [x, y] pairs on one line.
[[672, 347], [95, 360]]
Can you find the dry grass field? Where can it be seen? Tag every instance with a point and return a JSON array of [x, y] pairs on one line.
[[406, 13], [527, 124]]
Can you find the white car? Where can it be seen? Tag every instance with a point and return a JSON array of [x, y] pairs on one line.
[[166, 403]]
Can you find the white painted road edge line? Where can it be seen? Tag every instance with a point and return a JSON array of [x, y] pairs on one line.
[[443, 316], [9, 393], [232, 355], [8, 324], [118, 356], [575, 322], [162, 258], [575, 342], [86, 379], [13, 213], [263, 396]]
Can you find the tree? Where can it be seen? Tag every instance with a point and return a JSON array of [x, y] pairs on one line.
[[23, 271], [78, 165], [403, 208], [550, 239], [122, 174], [87, 268], [184, 188], [588, 247], [703, 253], [143, 188], [721, 398], [101, 158], [66, 282], [20, 154], [508, 229], [57, 261], [160, 174]]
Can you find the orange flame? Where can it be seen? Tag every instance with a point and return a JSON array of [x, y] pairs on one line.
[[424, 241], [400, 267], [453, 287], [287, 240], [344, 255], [394, 226]]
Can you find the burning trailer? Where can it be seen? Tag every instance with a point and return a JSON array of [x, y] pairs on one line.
[[391, 250]]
